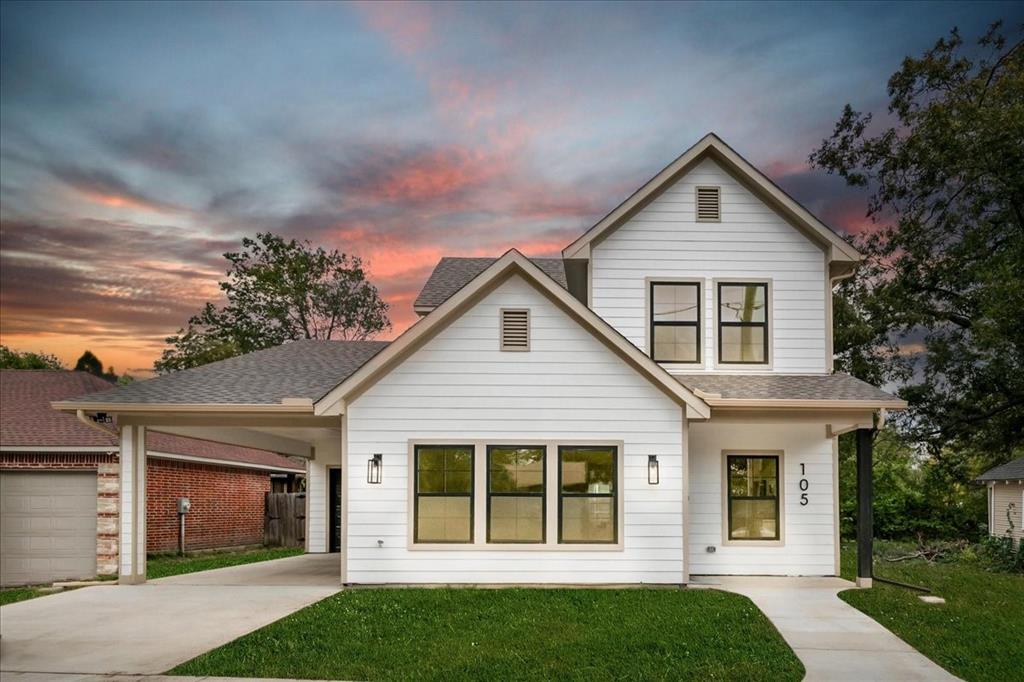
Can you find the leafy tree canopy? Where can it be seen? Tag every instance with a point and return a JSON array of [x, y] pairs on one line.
[[12, 359], [939, 304], [93, 365], [278, 291]]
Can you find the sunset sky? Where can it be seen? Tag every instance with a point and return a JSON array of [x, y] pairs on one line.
[[140, 141]]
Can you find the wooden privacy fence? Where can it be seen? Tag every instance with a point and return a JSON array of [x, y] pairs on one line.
[[284, 519]]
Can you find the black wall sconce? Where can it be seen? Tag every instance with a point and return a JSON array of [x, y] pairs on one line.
[[373, 468], [653, 474]]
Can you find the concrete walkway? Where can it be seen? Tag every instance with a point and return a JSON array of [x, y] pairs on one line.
[[833, 640], [150, 628]]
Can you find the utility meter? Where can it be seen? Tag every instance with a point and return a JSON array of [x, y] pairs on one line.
[[184, 505]]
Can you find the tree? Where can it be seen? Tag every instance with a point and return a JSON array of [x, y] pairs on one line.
[[12, 359], [278, 291], [939, 304], [89, 363]]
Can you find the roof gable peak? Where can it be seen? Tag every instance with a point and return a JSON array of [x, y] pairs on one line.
[[711, 145]]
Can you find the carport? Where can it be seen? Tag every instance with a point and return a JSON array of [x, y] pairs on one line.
[[272, 400]]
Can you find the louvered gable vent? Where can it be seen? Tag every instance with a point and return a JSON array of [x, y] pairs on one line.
[[709, 204], [515, 329]]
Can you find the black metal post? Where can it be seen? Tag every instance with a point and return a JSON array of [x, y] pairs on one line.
[[865, 517]]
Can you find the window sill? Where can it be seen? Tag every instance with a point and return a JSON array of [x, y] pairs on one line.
[[511, 547]]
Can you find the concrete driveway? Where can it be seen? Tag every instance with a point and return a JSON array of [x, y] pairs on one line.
[[150, 628], [833, 640]]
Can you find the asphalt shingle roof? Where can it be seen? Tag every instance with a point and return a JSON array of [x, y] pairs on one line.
[[26, 419], [307, 368], [785, 387], [451, 274], [1004, 472]]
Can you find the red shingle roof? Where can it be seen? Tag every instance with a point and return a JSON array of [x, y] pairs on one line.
[[26, 419]]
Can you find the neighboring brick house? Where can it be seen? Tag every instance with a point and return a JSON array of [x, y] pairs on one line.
[[59, 485]]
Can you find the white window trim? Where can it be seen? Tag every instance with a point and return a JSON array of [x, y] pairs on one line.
[[781, 542], [770, 318], [479, 499]]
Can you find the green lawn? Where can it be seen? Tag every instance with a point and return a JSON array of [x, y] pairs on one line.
[[977, 635], [15, 594], [163, 565], [513, 634]]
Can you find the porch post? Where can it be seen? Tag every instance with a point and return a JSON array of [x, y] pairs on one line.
[[865, 517], [132, 545]]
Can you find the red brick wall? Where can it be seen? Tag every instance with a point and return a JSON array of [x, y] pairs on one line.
[[227, 505]]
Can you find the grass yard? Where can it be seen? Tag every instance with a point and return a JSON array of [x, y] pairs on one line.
[[163, 565], [16, 594], [977, 635], [513, 634]]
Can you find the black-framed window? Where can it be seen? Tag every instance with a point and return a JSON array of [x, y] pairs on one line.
[[743, 323], [515, 494], [675, 321], [587, 494], [443, 493], [753, 491]]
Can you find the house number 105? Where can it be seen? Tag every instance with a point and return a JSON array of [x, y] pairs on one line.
[[804, 485]]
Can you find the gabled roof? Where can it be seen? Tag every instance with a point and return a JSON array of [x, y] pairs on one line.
[[1011, 471], [512, 263], [712, 146], [27, 422], [291, 375], [453, 273], [788, 390]]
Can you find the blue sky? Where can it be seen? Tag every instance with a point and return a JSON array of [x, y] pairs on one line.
[[139, 141]]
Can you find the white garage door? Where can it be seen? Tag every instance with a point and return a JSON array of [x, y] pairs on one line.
[[47, 526]]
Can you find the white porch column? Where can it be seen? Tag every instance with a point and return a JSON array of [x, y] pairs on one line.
[[132, 564]]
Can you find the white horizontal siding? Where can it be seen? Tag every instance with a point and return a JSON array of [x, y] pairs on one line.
[[327, 454], [1003, 496], [809, 533], [752, 241], [568, 387]]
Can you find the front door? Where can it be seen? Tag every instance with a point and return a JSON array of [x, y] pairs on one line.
[[335, 509]]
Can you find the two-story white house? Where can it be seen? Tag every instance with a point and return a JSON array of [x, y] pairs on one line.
[[657, 403]]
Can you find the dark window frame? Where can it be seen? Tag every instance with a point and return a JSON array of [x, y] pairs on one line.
[[777, 498], [417, 494], [763, 325], [543, 494], [698, 358], [614, 495]]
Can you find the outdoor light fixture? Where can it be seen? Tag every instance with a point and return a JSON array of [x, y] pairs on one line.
[[373, 467], [653, 475], [102, 418]]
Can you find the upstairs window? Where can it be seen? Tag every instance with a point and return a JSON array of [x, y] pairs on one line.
[[709, 204], [675, 322], [515, 330], [743, 323]]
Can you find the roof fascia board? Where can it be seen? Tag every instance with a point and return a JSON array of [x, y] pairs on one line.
[[711, 144], [807, 404], [60, 449], [494, 275], [243, 408]]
